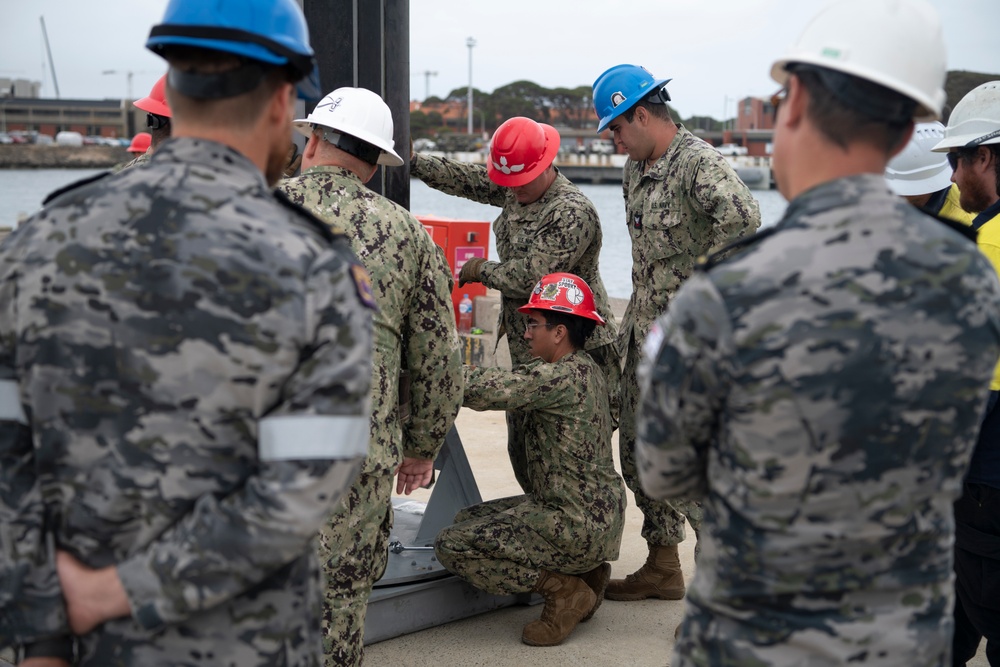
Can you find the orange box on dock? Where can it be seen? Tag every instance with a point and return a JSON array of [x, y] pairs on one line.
[[461, 240]]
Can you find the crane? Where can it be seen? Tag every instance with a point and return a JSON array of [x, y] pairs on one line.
[[45, 34]]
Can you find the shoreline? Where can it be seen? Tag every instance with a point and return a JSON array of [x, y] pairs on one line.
[[35, 156]]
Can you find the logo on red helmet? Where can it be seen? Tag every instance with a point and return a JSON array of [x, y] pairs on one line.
[[502, 166]]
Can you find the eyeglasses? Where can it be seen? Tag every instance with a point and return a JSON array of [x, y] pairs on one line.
[[530, 326], [776, 101], [155, 121], [954, 156]]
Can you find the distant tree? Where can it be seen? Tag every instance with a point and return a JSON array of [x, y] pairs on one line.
[[706, 123], [572, 105], [958, 84], [522, 98]]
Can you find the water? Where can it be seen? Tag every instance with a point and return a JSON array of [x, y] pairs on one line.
[[22, 191]]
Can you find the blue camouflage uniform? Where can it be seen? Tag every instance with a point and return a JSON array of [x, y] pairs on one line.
[[821, 392], [184, 378]]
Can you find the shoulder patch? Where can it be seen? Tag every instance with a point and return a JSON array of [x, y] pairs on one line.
[[706, 263], [327, 231], [55, 194], [363, 285]]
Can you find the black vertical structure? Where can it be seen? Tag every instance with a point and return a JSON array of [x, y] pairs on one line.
[[366, 43]]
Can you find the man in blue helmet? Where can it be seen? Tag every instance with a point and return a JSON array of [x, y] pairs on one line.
[[682, 199], [185, 362]]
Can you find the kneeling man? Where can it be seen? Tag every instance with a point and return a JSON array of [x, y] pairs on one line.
[[555, 540]]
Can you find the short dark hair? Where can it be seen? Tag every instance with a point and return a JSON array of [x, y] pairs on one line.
[[842, 123], [656, 109], [579, 328], [239, 110]]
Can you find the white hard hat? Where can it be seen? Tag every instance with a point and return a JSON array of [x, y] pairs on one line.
[[894, 43], [360, 113], [976, 119], [917, 170]]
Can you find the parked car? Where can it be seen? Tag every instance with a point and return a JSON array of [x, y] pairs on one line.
[[44, 139], [730, 150], [5, 138], [602, 147], [67, 138]]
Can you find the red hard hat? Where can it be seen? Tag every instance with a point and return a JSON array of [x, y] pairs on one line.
[[156, 101], [140, 143], [563, 293], [520, 150]]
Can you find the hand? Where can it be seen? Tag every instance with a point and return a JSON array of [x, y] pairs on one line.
[[411, 149], [414, 474], [293, 161], [43, 662], [92, 596], [470, 271]]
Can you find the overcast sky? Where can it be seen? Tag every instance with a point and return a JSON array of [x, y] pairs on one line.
[[716, 51]]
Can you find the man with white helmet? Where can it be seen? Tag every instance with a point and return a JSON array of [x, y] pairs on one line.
[[682, 199], [972, 145], [547, 225], [185, 361], [923, 177], [350, 134], [820, 386]]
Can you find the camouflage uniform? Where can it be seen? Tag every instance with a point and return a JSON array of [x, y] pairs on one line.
[[560, 232], [186, 364], [411, 282], [571, 520], [689, 202], [822, 392], [141, 158]]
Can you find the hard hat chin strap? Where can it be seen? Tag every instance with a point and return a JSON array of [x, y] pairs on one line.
[[351, 145], [217, 85], [983, 139]]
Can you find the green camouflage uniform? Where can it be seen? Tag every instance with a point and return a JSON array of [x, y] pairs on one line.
[[689, 202], [185, 364], [822, 392], [571, 520], [415, 330], [142, 158], [560, 232]]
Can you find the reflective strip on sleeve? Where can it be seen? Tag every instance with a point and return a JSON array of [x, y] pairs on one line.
[[10, 403], [312, 437]]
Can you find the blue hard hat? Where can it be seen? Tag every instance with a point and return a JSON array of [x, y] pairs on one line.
[[273, 32], [618, 89]]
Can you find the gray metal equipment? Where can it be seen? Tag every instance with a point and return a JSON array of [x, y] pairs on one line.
[[416, 592]]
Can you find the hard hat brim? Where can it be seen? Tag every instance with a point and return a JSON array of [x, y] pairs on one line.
[[927, 109], [937, 178], [387, 157], [149, 105]]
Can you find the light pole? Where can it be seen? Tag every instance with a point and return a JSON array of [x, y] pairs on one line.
[[427, 83], [470, 42]]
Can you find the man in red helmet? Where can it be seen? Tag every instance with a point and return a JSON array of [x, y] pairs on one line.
[[547, 225], [556, 539], [157, 121]]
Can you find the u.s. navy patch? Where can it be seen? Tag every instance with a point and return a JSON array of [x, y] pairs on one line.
[[363, 284]]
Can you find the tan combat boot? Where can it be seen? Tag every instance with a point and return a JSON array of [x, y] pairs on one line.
[[567, 600], [660, 577], [597, 579]]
